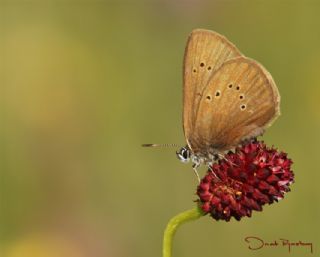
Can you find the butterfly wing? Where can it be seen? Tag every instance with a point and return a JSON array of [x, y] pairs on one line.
[[205, 52], [239, 102]]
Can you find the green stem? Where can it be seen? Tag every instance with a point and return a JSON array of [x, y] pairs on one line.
[[174, 223]]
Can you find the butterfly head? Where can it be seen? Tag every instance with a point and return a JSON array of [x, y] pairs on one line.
[[184, 154]]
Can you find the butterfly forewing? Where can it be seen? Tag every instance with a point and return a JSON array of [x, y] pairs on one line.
[[239, 102], [205, 52]]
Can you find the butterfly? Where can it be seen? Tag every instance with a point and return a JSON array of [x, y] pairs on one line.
[[227, 98]]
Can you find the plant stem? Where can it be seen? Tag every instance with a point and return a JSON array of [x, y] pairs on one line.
[[174, 223]]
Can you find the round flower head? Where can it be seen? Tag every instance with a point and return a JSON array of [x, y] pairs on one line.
[[245, 180]]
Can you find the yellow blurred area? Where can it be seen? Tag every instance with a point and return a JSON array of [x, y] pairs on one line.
[[38, 246], [84, 83]]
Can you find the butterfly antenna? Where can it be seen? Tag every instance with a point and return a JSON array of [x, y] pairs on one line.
[[160, 145]]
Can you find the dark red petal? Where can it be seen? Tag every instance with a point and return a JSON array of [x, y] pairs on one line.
[[245, 180]]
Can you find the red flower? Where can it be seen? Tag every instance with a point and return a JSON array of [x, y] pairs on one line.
[[244, 181]]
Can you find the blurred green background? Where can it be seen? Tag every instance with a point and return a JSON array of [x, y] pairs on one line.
[[84, 83]]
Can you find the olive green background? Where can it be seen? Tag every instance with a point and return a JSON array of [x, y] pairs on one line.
[[84, 83]]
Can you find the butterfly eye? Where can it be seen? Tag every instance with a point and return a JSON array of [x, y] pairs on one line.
[[218, 93], [230, 86], [209, 68], [238, 88], [183, 155], [241, 96], [208, 97], [242, 107], [202, 64]]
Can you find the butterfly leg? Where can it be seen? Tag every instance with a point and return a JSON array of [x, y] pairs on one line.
[[227, 160], [212, 171], [194, 168]]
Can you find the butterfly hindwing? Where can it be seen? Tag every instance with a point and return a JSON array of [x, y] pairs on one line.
[[239, 101]]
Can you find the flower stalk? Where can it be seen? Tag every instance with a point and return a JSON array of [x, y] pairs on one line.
[[174, 223]]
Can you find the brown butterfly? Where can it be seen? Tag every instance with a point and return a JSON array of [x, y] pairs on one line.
[[227, 98]]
